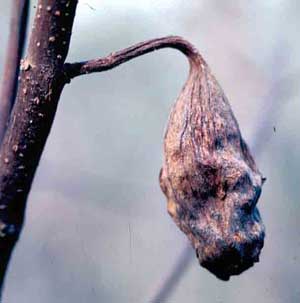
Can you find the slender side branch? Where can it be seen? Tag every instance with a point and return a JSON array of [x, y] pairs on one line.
[[168, 284], [17, 35], [114, 59]]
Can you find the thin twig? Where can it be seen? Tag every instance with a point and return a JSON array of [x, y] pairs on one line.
[[174, 276], [16, 42]]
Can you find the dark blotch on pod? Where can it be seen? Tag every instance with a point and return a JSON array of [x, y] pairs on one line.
[[209, 177]]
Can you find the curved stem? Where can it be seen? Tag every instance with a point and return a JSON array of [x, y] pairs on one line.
[[114, 59]]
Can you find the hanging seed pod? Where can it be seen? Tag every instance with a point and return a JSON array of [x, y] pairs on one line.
[[209, 177]]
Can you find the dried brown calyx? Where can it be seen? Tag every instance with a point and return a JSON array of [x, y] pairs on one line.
[[209, 176]]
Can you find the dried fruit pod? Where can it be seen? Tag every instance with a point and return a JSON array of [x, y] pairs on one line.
[[209, 177]]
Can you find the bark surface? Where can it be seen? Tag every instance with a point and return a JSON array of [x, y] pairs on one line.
[[40, 85]]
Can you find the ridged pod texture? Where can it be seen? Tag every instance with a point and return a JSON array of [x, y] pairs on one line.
[[209, 177]]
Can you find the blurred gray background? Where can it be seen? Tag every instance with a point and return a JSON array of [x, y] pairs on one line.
[[96, 225]]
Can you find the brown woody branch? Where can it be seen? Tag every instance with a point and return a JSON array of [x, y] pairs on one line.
[[40, 86], [17, 35]]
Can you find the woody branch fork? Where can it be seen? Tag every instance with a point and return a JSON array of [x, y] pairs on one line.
[[209, 176]]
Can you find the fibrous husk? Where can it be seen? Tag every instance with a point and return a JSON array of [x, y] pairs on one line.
[[209, 177]]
